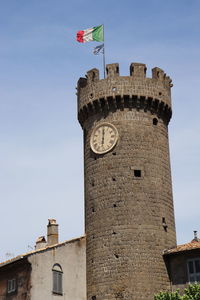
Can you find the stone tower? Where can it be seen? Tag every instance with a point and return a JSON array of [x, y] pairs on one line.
[[129, 215]]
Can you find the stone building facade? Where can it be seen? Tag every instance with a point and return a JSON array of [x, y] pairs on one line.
[[183, 264], [129, 213], [52, 271]]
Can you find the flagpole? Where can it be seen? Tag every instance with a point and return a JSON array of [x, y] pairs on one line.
[[104, 60]]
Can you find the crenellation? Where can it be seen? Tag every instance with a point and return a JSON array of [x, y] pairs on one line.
[[92, 75], [112, 70], [168, 82], [82, 82], [137, 75], [158, 74], [121, 92], [138, 71]]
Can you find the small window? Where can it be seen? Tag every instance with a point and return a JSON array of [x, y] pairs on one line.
[[155, 121], [57, 279], [11, 285], [137, 173], [193, 266]]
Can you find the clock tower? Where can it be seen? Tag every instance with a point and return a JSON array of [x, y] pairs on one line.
[[129, 215]]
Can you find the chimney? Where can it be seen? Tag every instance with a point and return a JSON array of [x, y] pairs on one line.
[[195, 239], [52, 232], [40, 243]]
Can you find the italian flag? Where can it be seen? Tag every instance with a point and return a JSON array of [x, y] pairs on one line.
[[90, 34]]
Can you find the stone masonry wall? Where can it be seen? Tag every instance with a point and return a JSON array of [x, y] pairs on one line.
[[129, 220]]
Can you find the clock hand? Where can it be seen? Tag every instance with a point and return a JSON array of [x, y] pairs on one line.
[[103, 133]]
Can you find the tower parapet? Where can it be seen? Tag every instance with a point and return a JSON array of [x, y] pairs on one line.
[[134, 91]]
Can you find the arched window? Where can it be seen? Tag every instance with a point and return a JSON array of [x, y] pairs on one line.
[[57, 279]]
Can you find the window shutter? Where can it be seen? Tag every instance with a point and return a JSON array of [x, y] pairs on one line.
[[12, 285], [57, 282], [54, 282]]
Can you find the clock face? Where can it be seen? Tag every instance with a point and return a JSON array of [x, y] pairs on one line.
[[104, 137]]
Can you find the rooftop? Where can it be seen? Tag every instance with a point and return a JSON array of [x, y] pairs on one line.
[[17, 258], [194, 244]]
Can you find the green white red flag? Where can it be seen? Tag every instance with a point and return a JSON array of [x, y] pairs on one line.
[[90, 34]]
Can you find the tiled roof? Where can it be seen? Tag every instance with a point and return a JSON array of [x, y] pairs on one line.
[[185, 247], [39, 250]]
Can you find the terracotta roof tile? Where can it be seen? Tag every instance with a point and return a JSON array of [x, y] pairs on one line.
[[185, 247]]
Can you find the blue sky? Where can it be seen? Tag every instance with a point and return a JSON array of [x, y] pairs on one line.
[[41, 162]]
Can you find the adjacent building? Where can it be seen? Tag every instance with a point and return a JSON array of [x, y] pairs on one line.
[[183, 264], [52, 271]]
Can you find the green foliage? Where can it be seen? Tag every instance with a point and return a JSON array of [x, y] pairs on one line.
[[168, 296], [190, 293]]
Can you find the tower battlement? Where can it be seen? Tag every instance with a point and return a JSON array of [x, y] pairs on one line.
[[134, 91]]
